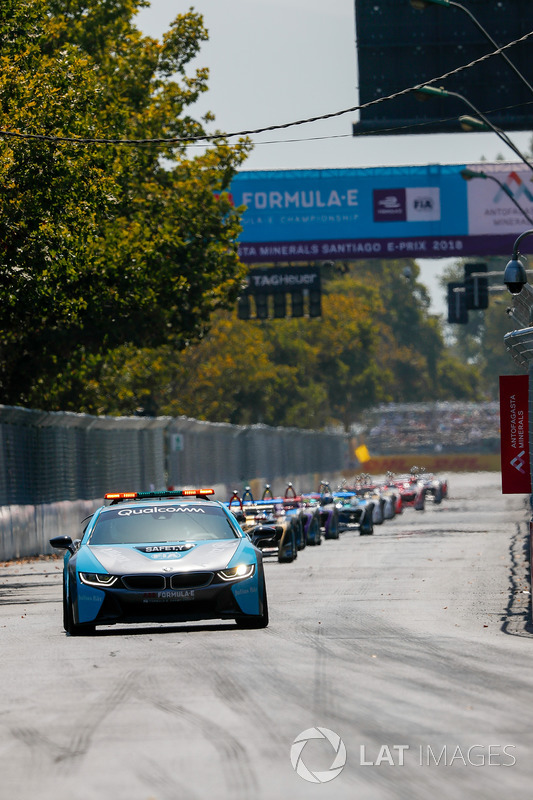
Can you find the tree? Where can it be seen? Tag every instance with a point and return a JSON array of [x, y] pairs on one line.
[[371, 345], [480, 342], [104, 245]]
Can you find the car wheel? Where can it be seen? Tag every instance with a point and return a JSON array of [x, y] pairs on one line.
[[283, 556], [332, 526], [255, 620], [313, 534], [366, 527], [300, 538], [68, 618]]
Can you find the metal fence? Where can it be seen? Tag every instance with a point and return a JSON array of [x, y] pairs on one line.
[[56, 467], [50, 457], [213, 453]]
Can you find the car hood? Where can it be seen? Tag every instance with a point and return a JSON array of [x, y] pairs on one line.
[[124, 559]]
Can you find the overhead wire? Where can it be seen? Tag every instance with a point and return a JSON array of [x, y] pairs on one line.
[[379, 131], [165, 141]]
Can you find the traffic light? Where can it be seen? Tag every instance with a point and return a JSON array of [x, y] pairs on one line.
[[457, 311], [476, 288], [280, 305], [297, 304], [243, 307], [261, 306], [315, 304]]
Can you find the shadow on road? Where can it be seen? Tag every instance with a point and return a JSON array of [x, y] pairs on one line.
[[516, 620]]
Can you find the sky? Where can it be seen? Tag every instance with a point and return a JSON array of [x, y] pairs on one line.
[[278, 61]]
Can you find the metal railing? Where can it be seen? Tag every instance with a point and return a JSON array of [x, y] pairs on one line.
[[58, 456]]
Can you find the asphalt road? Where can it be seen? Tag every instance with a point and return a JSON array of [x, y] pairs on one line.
[[413, 646]]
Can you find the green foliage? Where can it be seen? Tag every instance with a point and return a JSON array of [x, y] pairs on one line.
[[479, 342], [371, 345], [104, 245]]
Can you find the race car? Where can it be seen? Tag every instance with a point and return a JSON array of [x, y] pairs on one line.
[[273, 528], [412, 491], [355, 510], [386, 499], [161, 556], [309, 512], [436, 488], [329, 509]]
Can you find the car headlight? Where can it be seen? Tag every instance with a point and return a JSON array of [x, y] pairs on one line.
[[97, 579], [239, 572]]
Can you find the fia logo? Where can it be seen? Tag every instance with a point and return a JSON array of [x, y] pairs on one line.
[[423, 204]]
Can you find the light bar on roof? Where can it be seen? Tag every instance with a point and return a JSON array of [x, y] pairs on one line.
[[158, 495]]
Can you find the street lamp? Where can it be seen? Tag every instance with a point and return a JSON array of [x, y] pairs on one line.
[[469, 123], [515, 276], [435, 91], [469, 174], [420, 5]]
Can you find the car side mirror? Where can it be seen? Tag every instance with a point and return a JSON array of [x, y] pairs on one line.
[[63, 543]]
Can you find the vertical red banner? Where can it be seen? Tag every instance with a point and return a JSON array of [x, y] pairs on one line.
[[514, 426]]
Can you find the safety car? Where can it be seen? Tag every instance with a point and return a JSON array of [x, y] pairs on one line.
[[161, 556]]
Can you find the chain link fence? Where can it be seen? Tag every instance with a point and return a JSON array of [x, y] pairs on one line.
[[55, 467], [210, 453]]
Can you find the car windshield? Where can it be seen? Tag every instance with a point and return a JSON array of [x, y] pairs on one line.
[[161, 523]]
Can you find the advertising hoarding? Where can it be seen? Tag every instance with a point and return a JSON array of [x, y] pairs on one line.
[[514, 424], [382, 212]]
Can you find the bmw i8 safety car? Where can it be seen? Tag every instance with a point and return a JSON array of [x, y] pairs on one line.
[[162, 556]]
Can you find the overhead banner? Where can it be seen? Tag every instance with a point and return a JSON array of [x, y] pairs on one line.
[[514, 425], [385, 212]]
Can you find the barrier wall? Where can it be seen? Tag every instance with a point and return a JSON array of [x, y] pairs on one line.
[[56, 467], [449, 462]]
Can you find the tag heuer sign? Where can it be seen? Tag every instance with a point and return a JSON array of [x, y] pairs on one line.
[[282, 279]]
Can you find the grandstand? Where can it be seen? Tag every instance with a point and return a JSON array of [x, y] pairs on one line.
[[432, 428]]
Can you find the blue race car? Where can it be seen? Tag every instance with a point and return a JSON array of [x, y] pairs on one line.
[[355, 510], [272, 527], [167, 556]]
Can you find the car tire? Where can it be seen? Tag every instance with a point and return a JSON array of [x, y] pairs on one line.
[[301, 534], [313, 534], [68, 618], [366, 527], [283, 558], [255, 621], [332, 530]]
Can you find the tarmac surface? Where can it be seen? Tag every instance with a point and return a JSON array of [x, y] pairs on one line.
[[411, 649]]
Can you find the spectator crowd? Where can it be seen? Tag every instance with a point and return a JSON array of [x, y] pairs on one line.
[[440, 427]]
